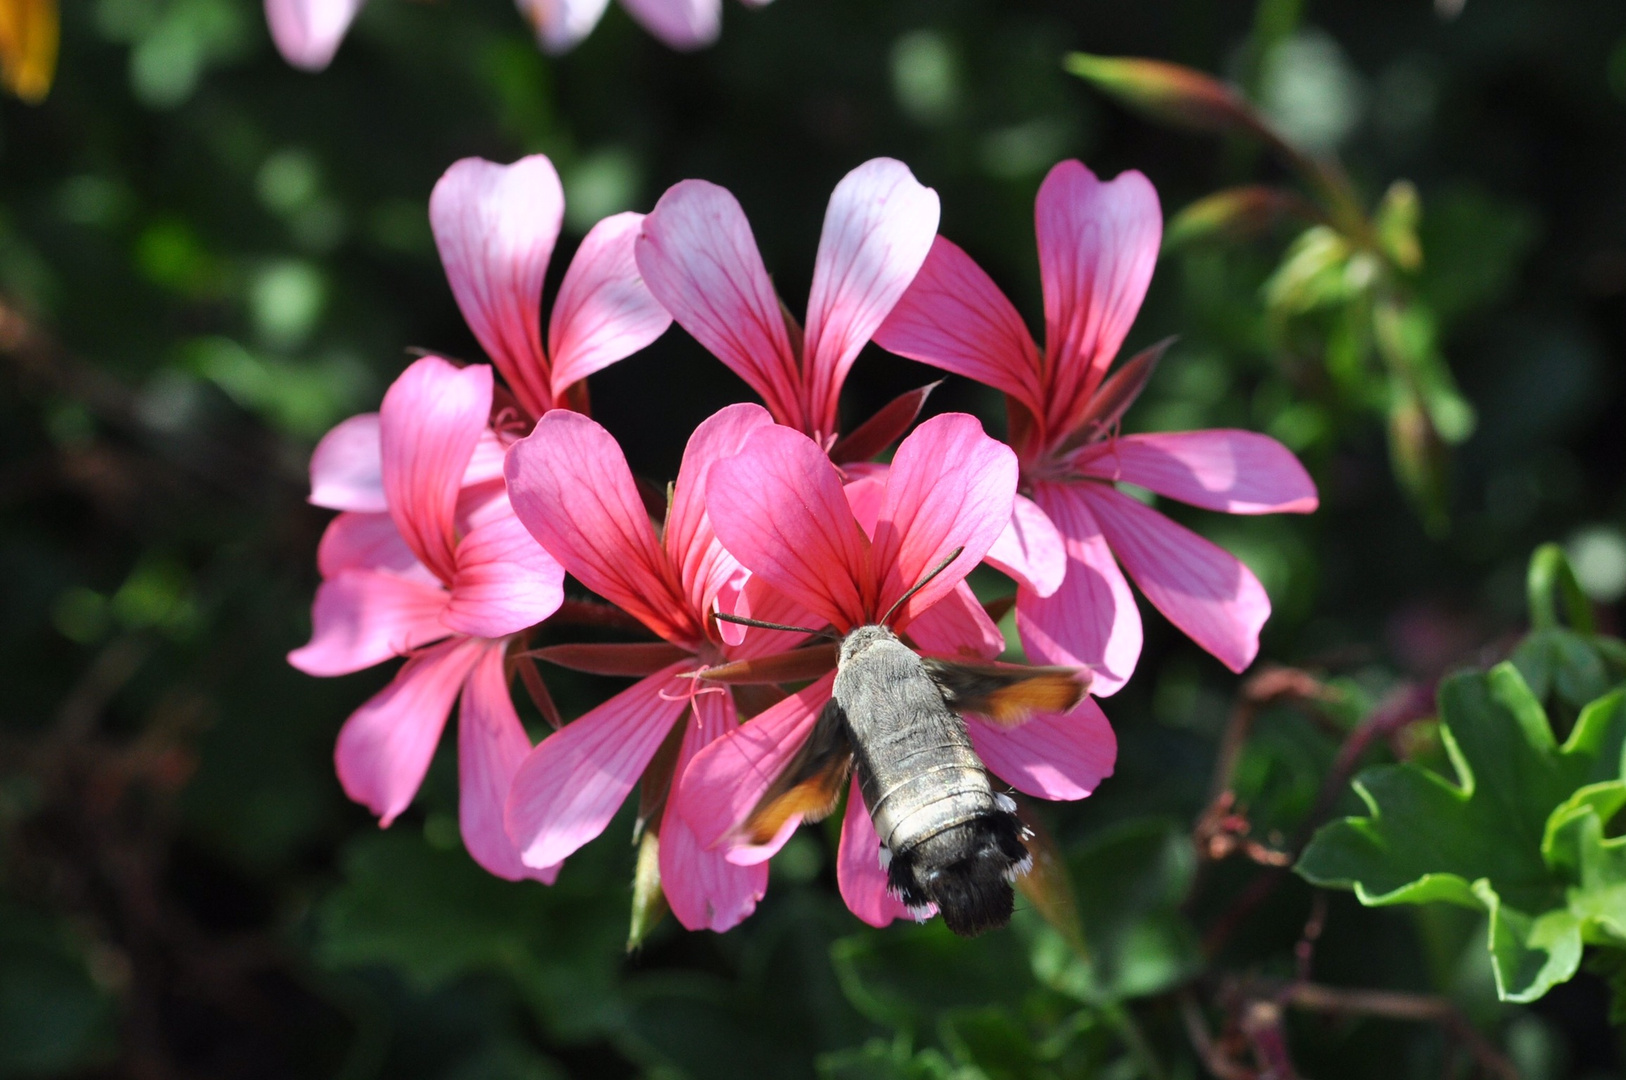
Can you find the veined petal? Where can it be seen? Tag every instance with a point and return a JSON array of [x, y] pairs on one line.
[[950, 486], [954, 317], [1200, 587], [700, 261], [1051, 755], [429, 425], [1238, 472], [877, 231], [495, 226], [308, 32], [570, 486], [491, 743], [1098, 245], [1090, 621], [347, 467], [957, 627], [753, 598], [385, 747], [779, 509], [603, 312], [368, 542], [1030, 550], [561, 24], [362, 617], [505, 581], [572, 784], [859, 873], [690, 541], [705, 890], [681, 24]]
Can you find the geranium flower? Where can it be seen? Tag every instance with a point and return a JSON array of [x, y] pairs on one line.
[[427, 562], [1098, 243], [847, 555]]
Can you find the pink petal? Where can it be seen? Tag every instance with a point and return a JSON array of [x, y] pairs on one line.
[[779, 509], [347, 467], [368, 542], [561, 24], [877, 231], [361, 618], [495, 226], [954, 317], [753, 598], [429, 425], [859, 875], [957, 627], [308, 32], [682, 24], [724, 782], [385, 747], [1030, 549], [571, 487], [486, 463], [603, 312], [490, 745], [690, 541], [1052, 755], [1091, 621], [569, 787], [950, 487], [1098, 245], [1200, 587], [705, 890], [505, 581], [700, 261], [1238, 472]]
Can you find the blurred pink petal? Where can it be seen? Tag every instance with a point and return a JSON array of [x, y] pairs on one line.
[[1238, 472], [385, 747], [569, 787], [1052, 755], [1091, 621], [1030, 550], [505, 582], [490, 745], [681, 24], [859, 874], [561, 24], [495, 226], [368, 542], [603, 312], [957, 626], [361, 618], [308, 32], [347, 467], [877, 231], [690, 541], [1197, 585]]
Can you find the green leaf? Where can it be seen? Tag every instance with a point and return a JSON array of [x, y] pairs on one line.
[[906, 976]]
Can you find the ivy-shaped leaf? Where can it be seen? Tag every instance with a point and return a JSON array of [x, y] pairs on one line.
[[1521, 835]]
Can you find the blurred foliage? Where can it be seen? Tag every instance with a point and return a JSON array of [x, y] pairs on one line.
[[207, 258]]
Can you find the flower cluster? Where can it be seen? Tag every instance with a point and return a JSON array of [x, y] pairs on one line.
[[466, 500]]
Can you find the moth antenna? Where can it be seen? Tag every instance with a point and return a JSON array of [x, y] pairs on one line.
[[921, 584], [760, 625]]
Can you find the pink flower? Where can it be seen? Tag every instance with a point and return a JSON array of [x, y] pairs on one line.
[[307, 32], [571, 487], [427, 562], [847, 555], [1098, 243], [495, 226], [700, 261]]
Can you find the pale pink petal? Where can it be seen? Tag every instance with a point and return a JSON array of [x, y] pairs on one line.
[[1098, 245], [690, 541], [877, 230], [491, 743], [603, 312], [1091, 621], [561, 24], [1052, 755], [1200, 587], [569, 787], [724, 782], [957, 627], [681, 24], [368, 542], [347, 467], [571, 487], [480, 504], [779, 509], [485, 465], [700, 261], [385, 747], [308, 32], [859, 874], [1030, 549], [361, 618], [954, 317], [950, 486], [505, 581], [1239, 472], [495, 226], [430, 423], [705, 890]]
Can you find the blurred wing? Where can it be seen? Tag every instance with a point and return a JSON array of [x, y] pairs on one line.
[[810, 784], [1007, 694]]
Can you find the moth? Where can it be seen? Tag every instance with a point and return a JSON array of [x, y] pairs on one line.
[[947, 837]]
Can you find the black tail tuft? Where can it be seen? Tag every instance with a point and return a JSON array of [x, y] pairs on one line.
[[966, 871]]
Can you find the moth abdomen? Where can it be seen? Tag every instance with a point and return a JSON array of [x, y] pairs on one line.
[[966, 871]]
